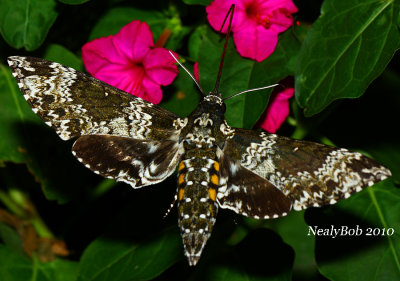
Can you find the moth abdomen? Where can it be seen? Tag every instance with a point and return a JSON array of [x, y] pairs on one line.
[[198, 179]]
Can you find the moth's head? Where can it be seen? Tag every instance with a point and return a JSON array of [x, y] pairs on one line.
[[214, 103]]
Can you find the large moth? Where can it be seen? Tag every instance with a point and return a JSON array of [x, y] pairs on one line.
[[125, 138]]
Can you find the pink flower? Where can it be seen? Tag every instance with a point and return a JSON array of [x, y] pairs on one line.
[[129, 61], [277, 110], [196, 71], [255, 24]]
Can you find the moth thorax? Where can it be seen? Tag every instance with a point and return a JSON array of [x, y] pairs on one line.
[[204, 120], [199, 139], [198, 180]]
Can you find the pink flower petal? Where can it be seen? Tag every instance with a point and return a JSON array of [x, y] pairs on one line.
[[281, 20], [277, 111], [160, 66], [152, 91], [277, 4], [134, 40], [126, 79], [196, 71], [111, 68], [129, 62], [255, 42], [256, 23], [99, 53], [272, 14], [217, 11]]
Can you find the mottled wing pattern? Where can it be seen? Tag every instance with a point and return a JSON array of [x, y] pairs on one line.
[[136, 162], [122, 137], [309, 174], [249, 194], [76, 104]]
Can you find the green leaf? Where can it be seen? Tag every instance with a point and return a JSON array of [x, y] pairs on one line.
[[59, 270], [14, 266], [185, 97], [25, 23], [388, 154], [241, 74], [195, 41], [17, 267], [118, 17], [345, 50], [73, 2], [10, 238], [375, 257], [117, 260], [60, 54], [292, 229], [197, 2]]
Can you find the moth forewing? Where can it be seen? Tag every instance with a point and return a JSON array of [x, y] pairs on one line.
[[76, 104], [307, 173]]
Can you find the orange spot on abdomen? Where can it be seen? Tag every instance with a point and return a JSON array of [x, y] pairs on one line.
[[212, 193], [181, 166], [215, 179], [181, 178], [180, 193], [216, 166]]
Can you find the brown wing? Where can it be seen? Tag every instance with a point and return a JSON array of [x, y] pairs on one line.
[[248, 194], [136, 162], [308, 173], [76, 104]]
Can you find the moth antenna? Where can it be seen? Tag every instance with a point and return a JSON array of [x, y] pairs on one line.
[[226, 17], [251, 90], [228, 33], [188, 72]]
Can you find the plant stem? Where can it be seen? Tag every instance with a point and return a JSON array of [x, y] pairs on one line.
[[41, 228], [299, 133], [11, 205], [327, 141], [20, 205], [103, 187]]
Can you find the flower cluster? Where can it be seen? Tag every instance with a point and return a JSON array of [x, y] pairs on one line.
[[255, 24], [130, 62]]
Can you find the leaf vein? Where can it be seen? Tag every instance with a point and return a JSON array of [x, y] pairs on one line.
[[385, 225], [367, 24]]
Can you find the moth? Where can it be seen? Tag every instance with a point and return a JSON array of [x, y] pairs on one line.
[[125, 138]]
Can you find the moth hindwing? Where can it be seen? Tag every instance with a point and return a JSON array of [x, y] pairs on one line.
[[128, 139]]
